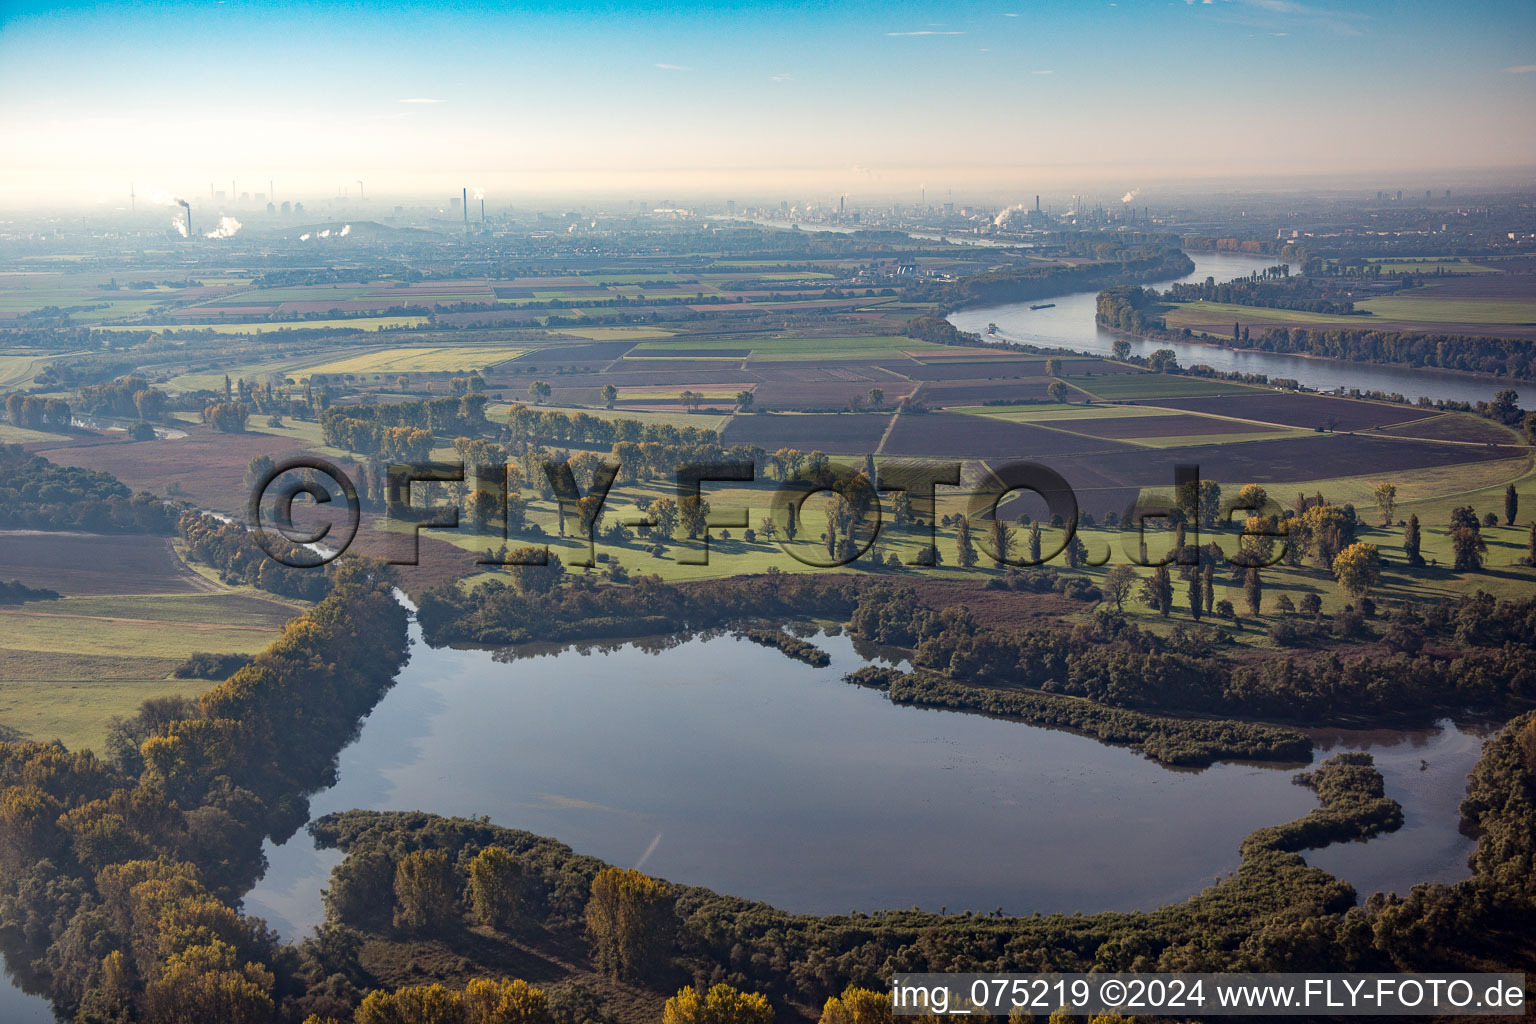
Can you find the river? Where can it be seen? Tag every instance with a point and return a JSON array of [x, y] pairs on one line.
[[1070, 324], [776, 781]]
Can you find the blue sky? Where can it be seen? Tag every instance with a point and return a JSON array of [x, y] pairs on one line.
[[867, 98]]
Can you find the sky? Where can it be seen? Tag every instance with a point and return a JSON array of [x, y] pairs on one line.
[[763, 99]]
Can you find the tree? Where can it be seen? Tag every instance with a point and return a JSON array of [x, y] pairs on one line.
[[257, 469], [1253, 590], [1357, 568], [1386, 500], [1311, 605], [858, 1006], [876, 398], [1196, 596], [610, 396], [535, 571], [1053, 367], [1157, 591], [1117, 585], [483, 506], [1505, 407], [1121, 350], [1511, 505], [208, 983], [693, 515], [402, 382], [744, 400], [426, 892], [1411, 542], [1057, 390], [1469, 547], [1003, 541], [504, 1002], [663, 513], [965, 550], [722, 1004], [496, 882], [1034, 543], [1530, 553], [539, 390], [631, 922]]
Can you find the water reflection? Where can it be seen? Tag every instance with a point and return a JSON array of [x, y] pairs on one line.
[[717, 762]]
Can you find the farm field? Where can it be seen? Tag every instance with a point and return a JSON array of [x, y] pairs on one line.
[[131, 611], [418, 360], [362, 323], [1123, 386]]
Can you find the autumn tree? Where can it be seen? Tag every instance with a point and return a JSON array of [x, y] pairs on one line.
[[209, 983], [496, 884], [539, 390], [722, 1004], [610, 396], [1057, 391], [1386, 500], [858, 1006], [426, 892], [1357, 568], [631, 922]]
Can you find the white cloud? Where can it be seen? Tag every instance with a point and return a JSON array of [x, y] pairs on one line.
[[1048, 71], [925, 32], [419, 99], [1521, 69], [673, 67], [786, 77]]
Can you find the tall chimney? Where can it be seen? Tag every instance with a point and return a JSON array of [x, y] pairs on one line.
[[1037, 203], [482, 209], [464, 202]]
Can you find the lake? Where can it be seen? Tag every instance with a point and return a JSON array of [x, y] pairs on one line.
[[716, 762], [1070, 324]]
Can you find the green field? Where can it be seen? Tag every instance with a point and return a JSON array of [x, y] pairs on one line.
[[68, 666], [1151, 385], [1425, 306]]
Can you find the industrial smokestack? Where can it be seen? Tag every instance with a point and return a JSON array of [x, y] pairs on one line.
[[464, 202], [1037, 203], [188, 207], [360, 190]]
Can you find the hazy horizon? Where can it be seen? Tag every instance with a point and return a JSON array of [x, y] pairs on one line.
[[758, 100]]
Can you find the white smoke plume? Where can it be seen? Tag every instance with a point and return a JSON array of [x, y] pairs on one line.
[[304, 237], [346, 229], [324, 234], [180, 226], [1007, 215], [226, 229], [477, 193], [1132, 194]]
